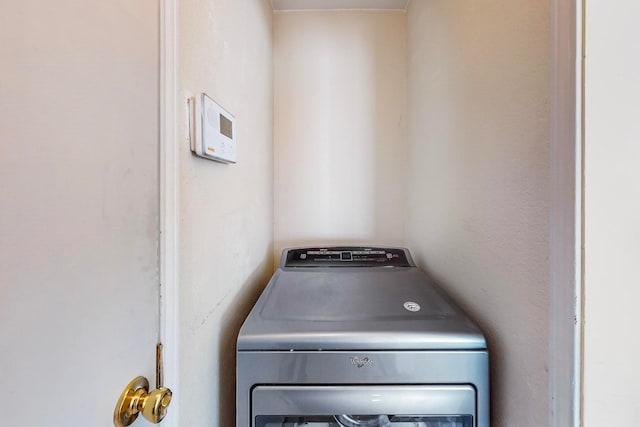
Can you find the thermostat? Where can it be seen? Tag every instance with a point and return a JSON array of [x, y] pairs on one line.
[[214, 137]]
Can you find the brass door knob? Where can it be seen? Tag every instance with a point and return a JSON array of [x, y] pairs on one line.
[[136, 398]]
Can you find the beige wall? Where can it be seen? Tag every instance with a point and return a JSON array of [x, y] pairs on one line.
[[226, 210], [478, 180], [611, 214], [339, 136]]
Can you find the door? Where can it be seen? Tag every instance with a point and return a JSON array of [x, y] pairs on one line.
[[79, 207]]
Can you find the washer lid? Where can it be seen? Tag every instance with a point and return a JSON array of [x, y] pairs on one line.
[[335, 295], [356, 308]]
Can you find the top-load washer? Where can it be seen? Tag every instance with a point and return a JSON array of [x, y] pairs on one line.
[[358, 336]]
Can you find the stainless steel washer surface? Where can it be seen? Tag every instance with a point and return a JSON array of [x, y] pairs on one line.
[[358, 336]]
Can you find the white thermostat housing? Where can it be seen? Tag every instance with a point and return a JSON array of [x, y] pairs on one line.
[[215, 133]]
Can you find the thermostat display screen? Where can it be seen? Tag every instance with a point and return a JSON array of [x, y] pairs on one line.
[[226, 127]]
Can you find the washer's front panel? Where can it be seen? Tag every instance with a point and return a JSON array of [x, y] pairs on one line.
[[363, 406], [326, 368], [345, 420]]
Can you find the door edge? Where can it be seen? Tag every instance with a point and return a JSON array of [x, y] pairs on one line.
[[169, 202], [566, 228]]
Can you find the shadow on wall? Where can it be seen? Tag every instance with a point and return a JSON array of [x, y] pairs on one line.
[[232, 320]]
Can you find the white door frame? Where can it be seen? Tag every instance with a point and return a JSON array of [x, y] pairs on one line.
[[565, 321], [169, 203]]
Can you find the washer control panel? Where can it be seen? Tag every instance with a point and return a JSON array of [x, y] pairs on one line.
[[346, 256]]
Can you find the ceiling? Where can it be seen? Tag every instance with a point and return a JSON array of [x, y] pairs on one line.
[[338, 4]]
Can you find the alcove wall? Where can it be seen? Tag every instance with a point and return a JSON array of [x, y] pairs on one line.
[[428, 128], [339, 127], [479, 180]]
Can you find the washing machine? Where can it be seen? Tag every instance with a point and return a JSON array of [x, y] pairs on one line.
[[356, 336]]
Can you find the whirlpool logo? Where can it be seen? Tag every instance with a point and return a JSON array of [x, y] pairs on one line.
[[361, 363]]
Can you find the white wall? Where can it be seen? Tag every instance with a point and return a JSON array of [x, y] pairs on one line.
[[226, 210], [340, 119], [478, 180], [611, 214]]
